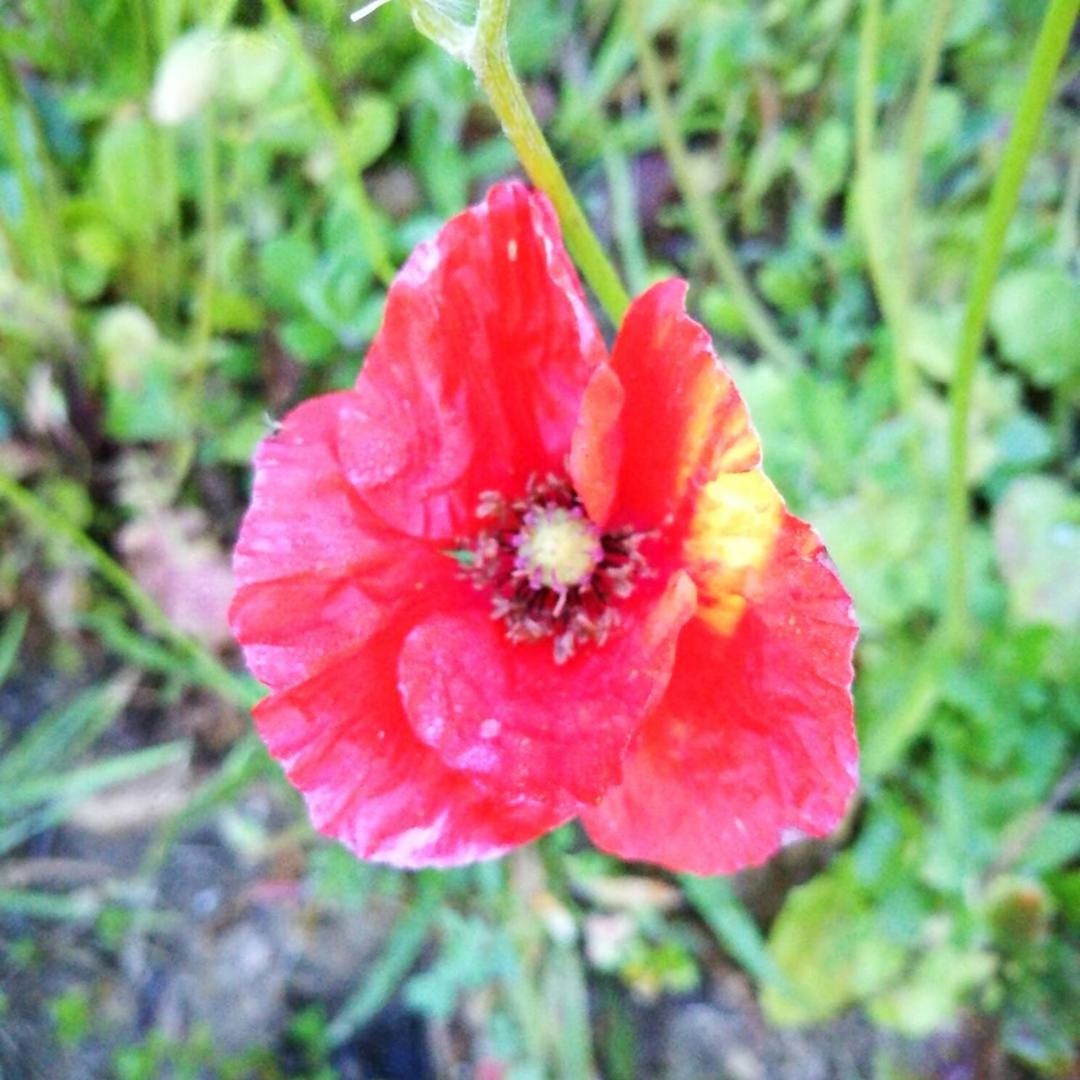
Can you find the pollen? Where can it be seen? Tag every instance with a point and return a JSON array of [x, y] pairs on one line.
[[551, 573], [558, 548]]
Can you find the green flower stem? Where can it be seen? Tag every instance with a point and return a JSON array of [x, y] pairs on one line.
[[490, 60], [203, 665], [888, 288], [757, 318], [323, 109], [484, 49], [1049, 50]]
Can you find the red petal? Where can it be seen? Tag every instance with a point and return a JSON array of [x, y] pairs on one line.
[[753, 743], [316, 572], [475, 379], [597, 449], [509, 714], [369, 782], [683, 420]]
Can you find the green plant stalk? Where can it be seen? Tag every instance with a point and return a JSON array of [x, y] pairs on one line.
[[208, 669], [489, 58], [1038, 88], [758, 321], [203, 324], [889, 289], [324, 112], [483, 48], [913, 139]]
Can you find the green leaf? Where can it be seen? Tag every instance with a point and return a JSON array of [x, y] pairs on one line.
[[371, 130], [123, 172], [830, 157], [284, 262], [829, 949], [1057, 844], [931, 995], [1037, 541], [1035, 316], [143, 400]]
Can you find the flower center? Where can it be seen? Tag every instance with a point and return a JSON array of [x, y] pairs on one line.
[[550, 571], [558, 548]]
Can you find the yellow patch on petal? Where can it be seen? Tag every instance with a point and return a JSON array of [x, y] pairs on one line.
[[734, 527], [719, 418], [705, 394]]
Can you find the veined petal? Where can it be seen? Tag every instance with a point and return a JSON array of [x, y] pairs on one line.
[[475, 379], [754, 741], [683, 421], [512, 716], [597, 447], [345, 744], [316, 571]]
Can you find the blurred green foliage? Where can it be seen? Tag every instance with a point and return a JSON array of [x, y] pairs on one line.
[[196, 199]]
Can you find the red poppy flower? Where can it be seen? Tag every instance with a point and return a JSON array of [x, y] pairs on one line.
[[509, 579]]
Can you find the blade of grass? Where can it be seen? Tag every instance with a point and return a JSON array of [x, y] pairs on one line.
[[395, 961], [208, 670], [568, 1002], [724, 914], [246, 762], [65, 732], [10, 641], [72, 786], [68, 790], [134, 647], [1068, 240], [913, 139], [39, 248], [763, 330], [74, 907], [887, 285]]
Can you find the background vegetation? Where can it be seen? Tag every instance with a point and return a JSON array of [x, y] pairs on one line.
[[200, 204]]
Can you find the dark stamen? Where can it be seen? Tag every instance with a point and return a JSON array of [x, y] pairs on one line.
[[550, 571]]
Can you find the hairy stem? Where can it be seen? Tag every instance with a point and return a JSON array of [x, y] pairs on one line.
[[1038, 88], [489, 58], [759, 322], [484, 48]]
